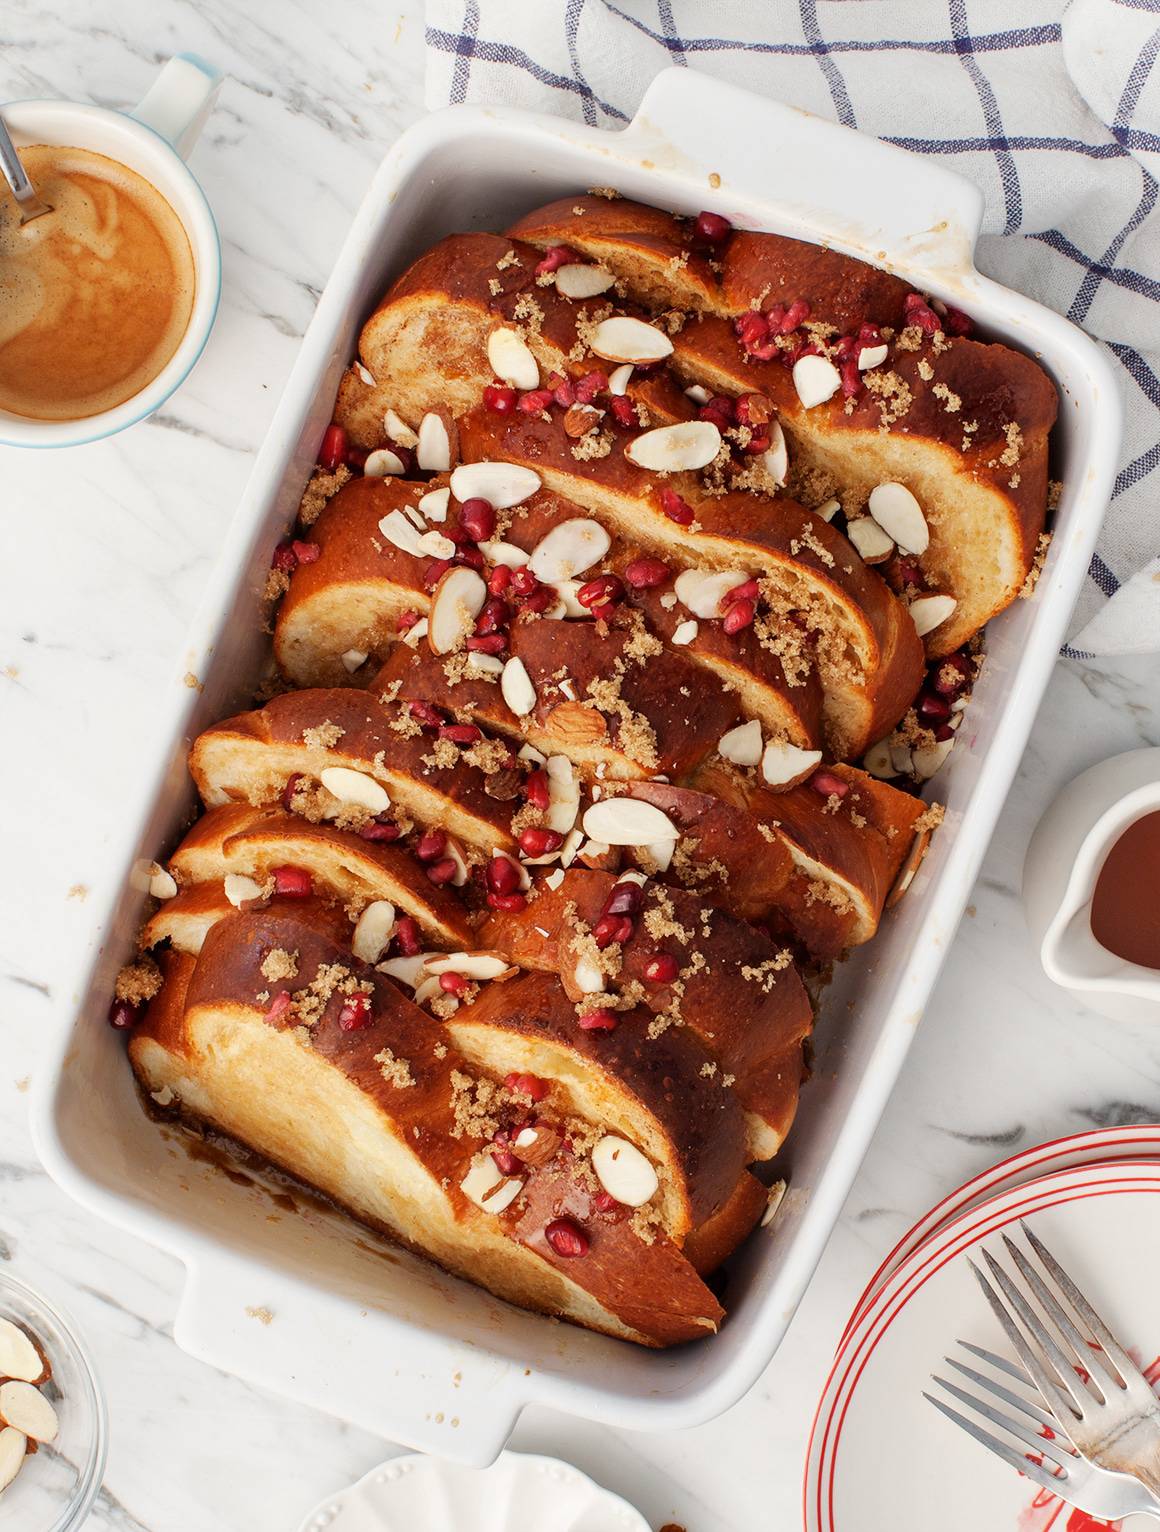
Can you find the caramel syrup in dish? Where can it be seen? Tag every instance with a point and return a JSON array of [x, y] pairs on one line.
[[1126, 904], [94, 296]]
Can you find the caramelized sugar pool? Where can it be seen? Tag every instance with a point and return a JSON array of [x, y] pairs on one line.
[[94, 296], [1126, 904]]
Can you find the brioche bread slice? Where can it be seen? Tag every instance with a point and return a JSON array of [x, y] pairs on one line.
[[251, 757], [185, 920], [369, 1117], [736, 991]]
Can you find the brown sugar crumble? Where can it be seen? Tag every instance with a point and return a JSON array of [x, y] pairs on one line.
[[138, 982], [396, 1072], [279, 964]]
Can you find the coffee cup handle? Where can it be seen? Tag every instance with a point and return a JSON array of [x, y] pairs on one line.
[[180, 100]]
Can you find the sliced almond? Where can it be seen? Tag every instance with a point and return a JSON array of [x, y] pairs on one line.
[[567, 591], [383, 464], [365, 374], [457, 602], [531, 756], [775, 458], [434, 503], [563, 794], [555, 878], [511, 360], [162, 885], [482, 1179], [900, 516], [350, 786], [239, 889], [577, 281], [484, 664], [588, 976], [502, 485], [436, 546], [398, 430], [431, 989], [353, 659], [417, 631], [628, 340], [773, 1201], [929, 612], [24, 1407], [623, 1171], [481, 966], [661, 852], [462, 871], [874, 543], [401, 533], [410, 971], [689, 445], [816, 380], [742, 745], [698, 393], [685, 632], [628, 822], [19, 1358], [13, 1451], [828, 509], [879, 761], [928, 759], [872, 356], [569, 549], [703, 590], [910, 865], [504, 553], [516, 687], [434, 443], [413, 513], [504, 1197], [373, 931], [901, 758], [785, 765], [618, 378]]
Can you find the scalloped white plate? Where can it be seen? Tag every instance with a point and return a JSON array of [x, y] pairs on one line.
[[424, 1494]]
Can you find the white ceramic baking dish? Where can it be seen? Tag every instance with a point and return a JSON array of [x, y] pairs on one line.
[[380, 1338]]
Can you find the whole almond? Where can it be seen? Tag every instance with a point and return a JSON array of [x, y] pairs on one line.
[[581, 419]]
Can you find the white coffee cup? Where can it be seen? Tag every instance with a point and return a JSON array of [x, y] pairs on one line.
[[153, 140]]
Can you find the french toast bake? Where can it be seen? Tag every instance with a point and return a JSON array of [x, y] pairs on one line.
[[635, 596]]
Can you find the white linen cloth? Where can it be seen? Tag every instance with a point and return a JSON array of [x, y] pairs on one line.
[[1052, 109]]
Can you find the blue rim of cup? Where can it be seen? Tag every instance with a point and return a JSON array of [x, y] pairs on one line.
[[84, 441]]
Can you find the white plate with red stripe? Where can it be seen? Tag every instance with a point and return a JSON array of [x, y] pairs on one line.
[[1140, 1141], [881, 1459]]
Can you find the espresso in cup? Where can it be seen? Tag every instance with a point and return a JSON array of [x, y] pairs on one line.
[[96, 295]]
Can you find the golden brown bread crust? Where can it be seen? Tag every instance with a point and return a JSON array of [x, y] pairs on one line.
[[706, 1247]]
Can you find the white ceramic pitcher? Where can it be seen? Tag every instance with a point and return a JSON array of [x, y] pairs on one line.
[[1067, 851]]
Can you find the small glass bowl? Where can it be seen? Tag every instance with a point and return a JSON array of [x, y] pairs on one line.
[[55, 1489]]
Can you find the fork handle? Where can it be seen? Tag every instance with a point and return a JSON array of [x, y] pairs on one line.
[[1148, 1474]]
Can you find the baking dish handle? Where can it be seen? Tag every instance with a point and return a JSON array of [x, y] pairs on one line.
[[864, 195], [428, 1393]]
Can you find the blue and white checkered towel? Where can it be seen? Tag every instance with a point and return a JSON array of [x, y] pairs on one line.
[[1056, 118]]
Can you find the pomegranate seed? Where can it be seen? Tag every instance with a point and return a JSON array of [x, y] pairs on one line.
[[739, 616], [536, 840], [442, 871], [797, 314], [535, 401], [461, 733], [758, 442], [306, 553], [919, 312], [284, 557], [539, 601], [123, 1015], [944, 684], [426, 714], [279, 1006], [407, 620], [566, 1238], [719, 409], [355, 1013], [676, 508], [829, 784], [431, 845], [537, 789], [909, 574], [748, 590], [487, 643], [477, 519], [932, 708], [356, 457], [752, 410], [943, 732], [752, 329], [407, 936], [527, 1085], [663, 969], [605, 1202], [623, 410], [503, 876], [375, 831], [493, 616], [611, 928], [332, 452], [602, 1020], [293, 783], [604, 588], [500, 398], [712, 228], [453, 983], [293, 882], [625, 898], [955, 322], [556, 256], [510, 904], [434, 572], [591, 384], [646, 574], [851, 374], [563, 391], [524, 582], [868, 335], [505, 1161], [499, 580], [472, 557]]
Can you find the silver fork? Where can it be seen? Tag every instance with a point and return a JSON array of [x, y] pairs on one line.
[[1043, 1453]]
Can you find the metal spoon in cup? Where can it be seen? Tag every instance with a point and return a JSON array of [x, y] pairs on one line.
[[22, 188]]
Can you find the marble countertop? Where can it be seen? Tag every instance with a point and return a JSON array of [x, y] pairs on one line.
[[104, 551]]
